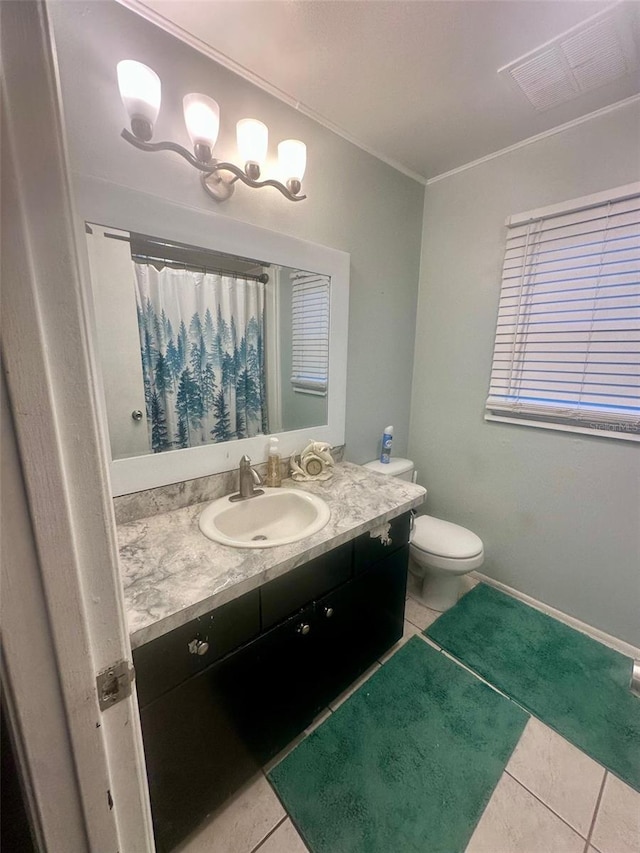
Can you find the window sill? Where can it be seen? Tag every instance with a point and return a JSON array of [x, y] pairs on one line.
[[600, 432]]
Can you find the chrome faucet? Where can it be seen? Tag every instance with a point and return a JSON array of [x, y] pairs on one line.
[[248, 477]]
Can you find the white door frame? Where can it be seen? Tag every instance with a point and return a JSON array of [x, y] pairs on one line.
[[49, 368]]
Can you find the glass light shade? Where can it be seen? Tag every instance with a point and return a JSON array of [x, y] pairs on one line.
[[140, 90], [202, 117], [292, 159], [253, 139]]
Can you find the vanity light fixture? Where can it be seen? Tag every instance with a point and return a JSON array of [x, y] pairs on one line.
[[140, 90]]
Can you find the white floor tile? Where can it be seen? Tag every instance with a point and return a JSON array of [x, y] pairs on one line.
[[515, 822], [284, 840], [418, 614], [353, 687], [565, 779], [241, 824], [617, 826]]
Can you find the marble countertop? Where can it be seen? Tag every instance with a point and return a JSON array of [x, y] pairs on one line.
[[172, 573]]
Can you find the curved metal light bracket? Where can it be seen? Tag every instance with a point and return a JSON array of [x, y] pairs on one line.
[[166, 146], [214, 183], [219, 188]]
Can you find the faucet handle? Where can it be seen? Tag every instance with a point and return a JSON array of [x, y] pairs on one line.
[[245, 465]]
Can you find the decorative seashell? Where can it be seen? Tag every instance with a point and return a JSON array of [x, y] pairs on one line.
[[314, 463]]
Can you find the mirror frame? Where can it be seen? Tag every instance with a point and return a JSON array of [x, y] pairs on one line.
[[109, 204]]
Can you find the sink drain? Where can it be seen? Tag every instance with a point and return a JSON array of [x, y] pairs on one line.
[[259, 538]]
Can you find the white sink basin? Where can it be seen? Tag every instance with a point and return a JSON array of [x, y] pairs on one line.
[[278, 517]]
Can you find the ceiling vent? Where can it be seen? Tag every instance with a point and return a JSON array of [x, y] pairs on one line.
[[601, 49]]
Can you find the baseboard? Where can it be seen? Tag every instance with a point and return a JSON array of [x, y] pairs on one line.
[[595, 633]]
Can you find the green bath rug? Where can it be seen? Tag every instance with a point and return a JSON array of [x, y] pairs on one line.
[[408, 763], [574, 684]]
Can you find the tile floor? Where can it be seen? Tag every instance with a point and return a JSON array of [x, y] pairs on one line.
[[551, 798]]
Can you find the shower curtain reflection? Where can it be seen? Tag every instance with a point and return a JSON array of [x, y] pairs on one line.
[[202, 350]]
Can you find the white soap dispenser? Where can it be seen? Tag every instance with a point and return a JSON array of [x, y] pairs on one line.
[[274, 478]]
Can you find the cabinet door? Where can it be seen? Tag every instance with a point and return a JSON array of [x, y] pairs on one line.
[[287, 684], [194, 748], [382, 593], [359, 622], [207, 736], [339, 660]]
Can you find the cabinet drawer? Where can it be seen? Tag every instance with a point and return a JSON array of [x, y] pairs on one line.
[[369, 549], [283, 596], [167, 661]]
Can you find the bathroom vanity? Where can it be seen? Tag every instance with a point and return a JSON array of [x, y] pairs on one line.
[[227, 681]]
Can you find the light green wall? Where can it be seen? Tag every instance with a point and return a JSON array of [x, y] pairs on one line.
[[355, 203], [559, 513]]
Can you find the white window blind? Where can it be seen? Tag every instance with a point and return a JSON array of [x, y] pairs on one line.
[[567, 348], [310, 333]]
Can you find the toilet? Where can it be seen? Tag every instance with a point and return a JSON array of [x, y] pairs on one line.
[[440, 552]]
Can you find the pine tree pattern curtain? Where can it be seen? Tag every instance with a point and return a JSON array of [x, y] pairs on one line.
[[202, 350]]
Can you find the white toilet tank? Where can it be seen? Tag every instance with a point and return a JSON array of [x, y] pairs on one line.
[[397, 467]]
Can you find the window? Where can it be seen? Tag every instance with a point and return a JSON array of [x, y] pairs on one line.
[[310, 333], [567, 349]]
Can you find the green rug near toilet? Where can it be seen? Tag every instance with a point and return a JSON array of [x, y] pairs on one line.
[[406, 764], [574, 684]]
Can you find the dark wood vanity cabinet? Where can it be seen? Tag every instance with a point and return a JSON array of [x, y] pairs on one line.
[[275, 658]]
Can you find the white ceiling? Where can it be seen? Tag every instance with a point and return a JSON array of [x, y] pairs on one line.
[[413, 81]]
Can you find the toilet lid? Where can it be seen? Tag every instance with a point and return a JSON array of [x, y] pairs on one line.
[[394, 468], [444, 538]]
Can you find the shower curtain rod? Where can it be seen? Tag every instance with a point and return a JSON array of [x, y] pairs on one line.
[[177, 263], [263, 278]]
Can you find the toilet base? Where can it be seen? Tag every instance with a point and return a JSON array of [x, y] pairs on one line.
[[439, 590]]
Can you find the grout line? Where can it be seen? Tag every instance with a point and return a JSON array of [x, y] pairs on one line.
[[547, 806], [270, 833], [595, 811], [415, 625]]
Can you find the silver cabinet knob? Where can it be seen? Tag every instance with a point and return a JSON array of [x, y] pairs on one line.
[[198, 647], [328, 612], [303, 628], [136, 414]]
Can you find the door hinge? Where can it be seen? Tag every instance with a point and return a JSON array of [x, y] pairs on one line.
[[114, 684]]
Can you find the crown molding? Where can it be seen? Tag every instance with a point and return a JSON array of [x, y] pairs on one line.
[[539, 136]]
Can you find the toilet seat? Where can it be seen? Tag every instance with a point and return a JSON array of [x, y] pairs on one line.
[[438, 538]]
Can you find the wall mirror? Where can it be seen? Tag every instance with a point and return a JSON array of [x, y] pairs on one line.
[[210, 335]]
